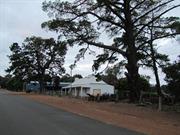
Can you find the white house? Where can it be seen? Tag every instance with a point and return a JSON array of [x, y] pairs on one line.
[[88, 85]]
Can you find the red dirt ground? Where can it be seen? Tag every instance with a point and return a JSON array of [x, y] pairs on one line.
[[130, 116]]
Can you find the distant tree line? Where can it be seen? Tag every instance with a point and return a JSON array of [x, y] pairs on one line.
[[14, 83], [11, 83]]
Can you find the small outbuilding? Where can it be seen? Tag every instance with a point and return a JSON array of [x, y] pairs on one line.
[[87, 85]]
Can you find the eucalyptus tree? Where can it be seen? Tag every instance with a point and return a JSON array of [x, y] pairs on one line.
[[153, 58], [37, 57], [83, 22]]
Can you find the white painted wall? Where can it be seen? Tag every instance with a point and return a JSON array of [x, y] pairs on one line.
[[105, 89]]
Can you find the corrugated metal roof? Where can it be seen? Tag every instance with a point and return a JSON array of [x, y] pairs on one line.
[[86, 81]]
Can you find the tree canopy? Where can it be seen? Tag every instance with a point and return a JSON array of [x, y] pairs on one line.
[[37, 57], [69, 78]]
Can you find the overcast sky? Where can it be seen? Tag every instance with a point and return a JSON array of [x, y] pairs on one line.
[[22, 18]]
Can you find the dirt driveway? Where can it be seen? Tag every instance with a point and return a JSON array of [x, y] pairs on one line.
[[130, 116]]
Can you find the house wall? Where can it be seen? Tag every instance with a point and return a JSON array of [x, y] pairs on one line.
[[105, 89], [82, 90]]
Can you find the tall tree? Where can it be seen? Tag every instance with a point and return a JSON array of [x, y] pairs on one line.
[[153, 58], [36, 58], [82, 22]]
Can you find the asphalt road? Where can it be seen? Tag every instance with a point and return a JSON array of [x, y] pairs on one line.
[[21, 116]]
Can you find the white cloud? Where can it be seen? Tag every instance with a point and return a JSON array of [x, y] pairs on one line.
[[170, 47]]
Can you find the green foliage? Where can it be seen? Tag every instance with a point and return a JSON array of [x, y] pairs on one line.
[[123, 84], [56, 81], [68, 78], [77, 76], [47, 78], [113, 77], [1, 81], [144, 84], [160, 59], [172, 72], [11, 83], [112, 74], [123, 88], [15, 84], [37, 57]]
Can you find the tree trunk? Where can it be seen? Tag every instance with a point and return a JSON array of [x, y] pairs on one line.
[[41, 82], [41, 86], [155, 69], [132, 77], [132, 66], [158, 86]]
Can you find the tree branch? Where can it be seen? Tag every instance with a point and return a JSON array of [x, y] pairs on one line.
[[152, 10], [154, 19], [105, 47], [136, 6], [160, 37]]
